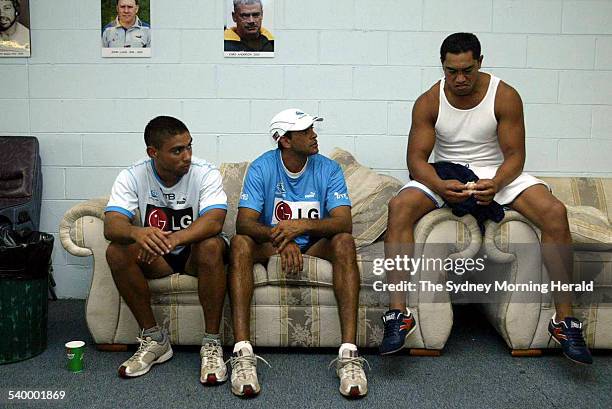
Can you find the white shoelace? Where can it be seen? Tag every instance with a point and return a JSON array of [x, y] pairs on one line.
[[245, 364], [212, 359], [143, 348], [353, 366]]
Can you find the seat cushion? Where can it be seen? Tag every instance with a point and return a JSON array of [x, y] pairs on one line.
[[318, 272]]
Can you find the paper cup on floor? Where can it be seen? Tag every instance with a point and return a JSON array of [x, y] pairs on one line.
[[74, 352]]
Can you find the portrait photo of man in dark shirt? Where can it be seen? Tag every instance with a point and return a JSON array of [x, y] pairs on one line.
[[248, 37]]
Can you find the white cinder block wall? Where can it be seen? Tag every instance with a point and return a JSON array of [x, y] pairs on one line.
[[358, 63]]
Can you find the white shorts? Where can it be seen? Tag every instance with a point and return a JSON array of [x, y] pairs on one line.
[[503, 197]]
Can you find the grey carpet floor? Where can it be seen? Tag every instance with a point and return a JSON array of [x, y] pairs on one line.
[[474, 371]]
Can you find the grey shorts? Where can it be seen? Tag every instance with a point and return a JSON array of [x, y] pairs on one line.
[[503, 197]]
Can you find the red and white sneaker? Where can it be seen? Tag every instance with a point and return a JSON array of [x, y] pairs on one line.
[[213, 370]]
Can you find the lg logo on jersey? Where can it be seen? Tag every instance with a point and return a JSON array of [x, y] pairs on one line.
[[285, 210], [168, 219]]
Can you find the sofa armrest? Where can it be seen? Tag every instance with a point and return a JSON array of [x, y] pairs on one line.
[[492, 229], [434, 218], [71, 229]]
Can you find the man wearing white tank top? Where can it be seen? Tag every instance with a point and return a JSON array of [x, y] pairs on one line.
[[475, 119]]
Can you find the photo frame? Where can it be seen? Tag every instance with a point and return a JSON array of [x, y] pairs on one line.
[[15, 28], [248, 31], [126, 28]]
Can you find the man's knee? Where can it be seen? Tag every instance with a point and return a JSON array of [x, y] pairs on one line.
[[208, 252], [343, 244], [241, 246], [118, 255], [555, 217], [406, 208]]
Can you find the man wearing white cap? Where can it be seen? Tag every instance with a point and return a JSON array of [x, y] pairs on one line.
[[294, 201]]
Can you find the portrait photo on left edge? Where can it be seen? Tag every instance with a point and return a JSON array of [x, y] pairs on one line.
[[15, 28]]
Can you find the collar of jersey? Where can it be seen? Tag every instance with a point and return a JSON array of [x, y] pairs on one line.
[[161, 182], [293, 176]]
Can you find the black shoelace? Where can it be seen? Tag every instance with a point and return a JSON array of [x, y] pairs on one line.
[[392, 327], [574, 336]]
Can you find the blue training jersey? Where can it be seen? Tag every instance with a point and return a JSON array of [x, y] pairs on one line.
[[270, 190]]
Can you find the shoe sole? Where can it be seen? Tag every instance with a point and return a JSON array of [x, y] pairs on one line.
[[160, 360], [354, 393], [564, 354], [212, 380], [403, 345], [247, 392]]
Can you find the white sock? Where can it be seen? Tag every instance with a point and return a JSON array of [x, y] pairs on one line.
[[243, 344], [554, 319], [347, 346]]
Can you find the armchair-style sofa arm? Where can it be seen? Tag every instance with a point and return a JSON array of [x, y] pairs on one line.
[[492, 230], [439, 235], [435, 218], [82, 234], [513, 249], [71, 226]]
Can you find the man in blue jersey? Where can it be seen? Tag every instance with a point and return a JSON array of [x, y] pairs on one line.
[[182, 208], [294, 201]]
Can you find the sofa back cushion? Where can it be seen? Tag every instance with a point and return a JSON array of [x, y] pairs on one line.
[[589, 207], [584, 191], [370, 193]]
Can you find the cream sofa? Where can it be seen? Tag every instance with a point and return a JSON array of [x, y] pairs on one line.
[[513, 250], [297, 311]]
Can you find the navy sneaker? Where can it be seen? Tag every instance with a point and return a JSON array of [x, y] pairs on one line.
[[397, 328], [568, 333]]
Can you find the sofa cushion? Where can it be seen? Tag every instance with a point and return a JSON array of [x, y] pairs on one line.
[[318, 272], [584, 191], [370, 193], [590, 228]]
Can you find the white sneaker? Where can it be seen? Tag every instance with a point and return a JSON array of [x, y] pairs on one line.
[[149, 353], [349, 368], [244, 372], [212, 370]]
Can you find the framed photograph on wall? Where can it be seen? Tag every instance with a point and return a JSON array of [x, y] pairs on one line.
[[14, 28], [248, 28], [126, 28]]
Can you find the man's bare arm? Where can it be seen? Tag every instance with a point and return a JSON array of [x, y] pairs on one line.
[[119, 229], [420, 145], [421, 142], [511, 137], [208, 225], [247, 223]]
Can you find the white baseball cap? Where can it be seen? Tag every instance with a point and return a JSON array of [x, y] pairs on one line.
[[291, 120]]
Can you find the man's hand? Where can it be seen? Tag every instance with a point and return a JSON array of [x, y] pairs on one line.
[[291, 258], [453, 191], [148, 257], [485, 191], [284, 233], [152, 241]]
